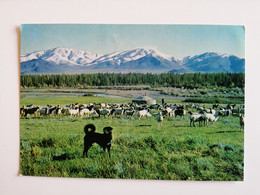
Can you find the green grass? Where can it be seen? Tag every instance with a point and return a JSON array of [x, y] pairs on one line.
[[141, 149], [212, 100]]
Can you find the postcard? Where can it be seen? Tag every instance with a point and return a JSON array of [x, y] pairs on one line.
[[132, 101]]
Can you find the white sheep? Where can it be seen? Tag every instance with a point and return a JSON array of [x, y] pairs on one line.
[[72, 112], [143, 113], [169, 112], [84, 112], [241, 121], [196, 118], [210, 117], [212, 111]]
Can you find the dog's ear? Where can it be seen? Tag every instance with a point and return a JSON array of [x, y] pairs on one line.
[[107, 130]]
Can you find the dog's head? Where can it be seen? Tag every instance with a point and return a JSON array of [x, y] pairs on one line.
[[107, 130]]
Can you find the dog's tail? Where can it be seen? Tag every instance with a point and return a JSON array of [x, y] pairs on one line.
[[107, 130], [91, 127]]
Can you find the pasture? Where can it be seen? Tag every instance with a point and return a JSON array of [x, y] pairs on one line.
[[141, 148]]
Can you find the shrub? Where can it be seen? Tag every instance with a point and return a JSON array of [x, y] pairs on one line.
[[36, 151], [47, 143]]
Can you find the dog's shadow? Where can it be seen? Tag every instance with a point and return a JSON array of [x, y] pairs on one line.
[[223, 132]]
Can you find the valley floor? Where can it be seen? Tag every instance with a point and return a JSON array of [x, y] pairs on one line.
[[141, 148]]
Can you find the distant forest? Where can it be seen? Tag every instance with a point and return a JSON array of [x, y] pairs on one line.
[[187, 80]]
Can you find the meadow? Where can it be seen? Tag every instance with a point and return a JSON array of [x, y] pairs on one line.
[[141, 148]]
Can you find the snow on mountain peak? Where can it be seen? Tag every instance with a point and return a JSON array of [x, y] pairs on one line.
[[60, 60], [69, 55], [31, 56], [131, 55], [61, 55]]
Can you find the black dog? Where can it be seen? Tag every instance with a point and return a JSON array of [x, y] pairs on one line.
[[104, 140]]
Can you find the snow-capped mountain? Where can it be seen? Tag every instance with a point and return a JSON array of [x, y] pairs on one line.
[[67, 60], [212, 62], [31, 56], [60, 56], [56, 60], [131, 55], [137, 60]]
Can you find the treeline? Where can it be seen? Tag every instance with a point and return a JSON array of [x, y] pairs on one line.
[[187, 80]]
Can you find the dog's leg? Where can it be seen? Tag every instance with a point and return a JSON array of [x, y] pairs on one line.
[[85, 152], [108, 149], [104, 151]]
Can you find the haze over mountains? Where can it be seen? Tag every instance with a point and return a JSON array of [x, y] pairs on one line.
[[72, 61]]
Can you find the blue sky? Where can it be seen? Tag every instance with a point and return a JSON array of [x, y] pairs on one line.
[[175, 40]]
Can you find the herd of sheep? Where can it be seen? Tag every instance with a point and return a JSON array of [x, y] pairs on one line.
[[197, 113]]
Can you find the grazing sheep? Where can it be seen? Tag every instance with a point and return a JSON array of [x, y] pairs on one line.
[[212, 111], [225, 112], [72, 112], [210, 117], [159, 117], [104, 112], [21, 111], [200, 108], [241, 121], [130, 112], [170, 112], [179, 112], [195, 118], [30, 110], [55, 110], [238, 111], [143, 113], [43, 111], [215, 106], [84, 112], [117, 111]]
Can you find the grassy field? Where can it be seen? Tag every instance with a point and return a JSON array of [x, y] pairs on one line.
[[141, 149]]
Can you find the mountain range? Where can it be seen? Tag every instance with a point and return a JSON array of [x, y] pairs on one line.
[[72, 61]]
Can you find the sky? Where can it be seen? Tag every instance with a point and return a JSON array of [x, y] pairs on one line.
[[174, 40]]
